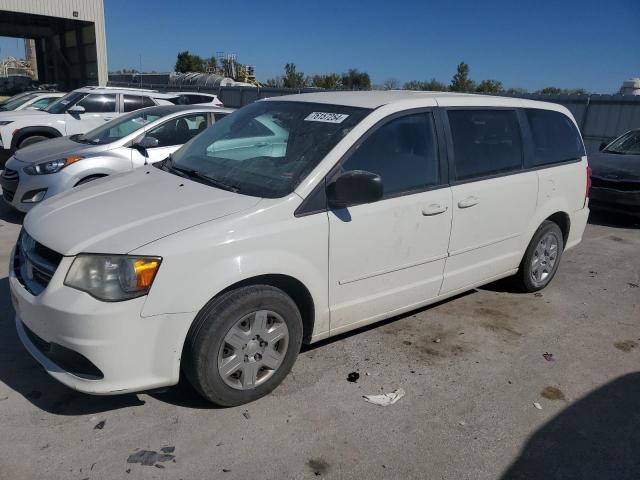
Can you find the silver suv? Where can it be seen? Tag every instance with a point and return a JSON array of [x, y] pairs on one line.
[[132, 140], [77, 112]]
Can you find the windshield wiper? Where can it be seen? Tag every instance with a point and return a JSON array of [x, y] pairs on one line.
[[191, 173]]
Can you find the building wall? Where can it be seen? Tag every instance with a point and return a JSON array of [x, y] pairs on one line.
[[87, 10]]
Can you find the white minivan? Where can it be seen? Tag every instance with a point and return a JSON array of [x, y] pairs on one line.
[[367, 205]]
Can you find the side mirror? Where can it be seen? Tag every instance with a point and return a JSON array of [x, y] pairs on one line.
[[354, 188], [144, 143], [603, 146], [76, 109]]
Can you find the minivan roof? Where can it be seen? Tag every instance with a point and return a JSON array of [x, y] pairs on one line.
[[375, 99]]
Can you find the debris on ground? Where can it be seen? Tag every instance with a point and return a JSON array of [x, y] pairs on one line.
[[437, 340], [149, 458], [462, 423], [385, 399], [353, 377], [168, 449], [548, 357], [226, 470], [537, 405], [592, 273], [626, 345], [553, 393], [633, 285], [246, 415], [100, 425]]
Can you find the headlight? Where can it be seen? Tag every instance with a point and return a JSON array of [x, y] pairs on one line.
[[52, 166], [112, 278], [5, 122]]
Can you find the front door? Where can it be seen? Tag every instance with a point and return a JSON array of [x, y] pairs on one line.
[[98, 109], [389, 256], [171, 135]]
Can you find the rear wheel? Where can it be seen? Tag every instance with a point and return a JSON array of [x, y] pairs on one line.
[[31, 140], [542, 258], [243, 344]]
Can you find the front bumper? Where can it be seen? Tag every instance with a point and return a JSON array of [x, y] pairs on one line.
[[129, 352], [14, 190]]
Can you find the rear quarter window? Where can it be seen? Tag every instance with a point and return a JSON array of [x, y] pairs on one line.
[[555, 137]]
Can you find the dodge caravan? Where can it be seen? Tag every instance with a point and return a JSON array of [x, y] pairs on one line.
[[292, 220]]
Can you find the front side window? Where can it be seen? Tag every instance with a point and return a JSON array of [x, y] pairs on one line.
[[627, 144], [118, 128], [63, 103], [135, 102], [485, 142], [555, 137], [98, 103], [180, 130], [266, 148], [403, 152]]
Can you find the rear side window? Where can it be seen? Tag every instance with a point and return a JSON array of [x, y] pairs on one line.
[[485, 142], [98, 103], [178, 131], [135, 102], [555, 137], [403, 152]]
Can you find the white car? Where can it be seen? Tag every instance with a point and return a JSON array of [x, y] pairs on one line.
[[196, 98], [221, 266], [77, 112], [132, 140], [36, 100]]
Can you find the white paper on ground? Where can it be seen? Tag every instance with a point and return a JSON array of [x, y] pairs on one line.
[[385, 399]]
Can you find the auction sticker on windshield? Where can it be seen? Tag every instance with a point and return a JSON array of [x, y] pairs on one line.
[[326, 117]]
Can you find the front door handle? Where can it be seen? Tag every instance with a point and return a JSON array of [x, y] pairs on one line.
[[434, 209], [468, 202]]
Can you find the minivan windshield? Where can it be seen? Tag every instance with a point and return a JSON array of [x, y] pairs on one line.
[[61, 105], [118, 128], [267, 148], [627, 144]]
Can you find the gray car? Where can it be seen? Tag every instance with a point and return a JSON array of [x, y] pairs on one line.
[[147, 135]]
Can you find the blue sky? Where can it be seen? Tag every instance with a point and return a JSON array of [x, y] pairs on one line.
[[531, 44]]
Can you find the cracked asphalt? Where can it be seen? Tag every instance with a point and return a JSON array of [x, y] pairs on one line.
[[472, 368]]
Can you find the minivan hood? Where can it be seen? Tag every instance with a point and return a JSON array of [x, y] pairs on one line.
[[54, 149], [613, 165], [123, 212]]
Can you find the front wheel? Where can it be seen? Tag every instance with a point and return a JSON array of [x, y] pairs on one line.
[[243, 344], [542, 258]]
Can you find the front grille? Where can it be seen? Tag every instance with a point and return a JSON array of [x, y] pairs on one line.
[[616, 184], [34, 264], [10, 174]]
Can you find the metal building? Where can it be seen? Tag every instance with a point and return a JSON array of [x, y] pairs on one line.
[[69, 37]]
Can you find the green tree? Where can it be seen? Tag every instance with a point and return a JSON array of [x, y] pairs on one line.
[[292, 78], [550, 91], [489, 86], [354, 79], [432, 85], [275, 82], [329, 81], [516, 91], [461, 81], [189, 63]]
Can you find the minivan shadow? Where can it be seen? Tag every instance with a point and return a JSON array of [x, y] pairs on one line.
[[22, 374], [9, 214], [595, 437]]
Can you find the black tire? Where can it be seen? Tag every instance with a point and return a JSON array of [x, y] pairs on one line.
[[206, 338], [25, 142], [524, 280]]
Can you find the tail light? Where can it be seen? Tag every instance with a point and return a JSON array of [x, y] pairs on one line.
[[586, 193]]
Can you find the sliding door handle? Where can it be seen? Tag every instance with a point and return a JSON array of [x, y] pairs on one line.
[[468, 202]]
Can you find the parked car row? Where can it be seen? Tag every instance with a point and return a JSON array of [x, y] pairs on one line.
[[36, 100], [82, 110], [294, 219]]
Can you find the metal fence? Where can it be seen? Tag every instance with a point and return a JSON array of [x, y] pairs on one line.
[[601, 118]]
